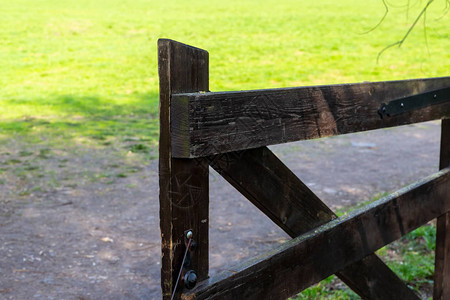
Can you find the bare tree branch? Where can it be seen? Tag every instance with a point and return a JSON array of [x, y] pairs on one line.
[[400, 42]]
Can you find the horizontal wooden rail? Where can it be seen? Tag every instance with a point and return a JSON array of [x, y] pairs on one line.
[[319, 253], [206, 123]]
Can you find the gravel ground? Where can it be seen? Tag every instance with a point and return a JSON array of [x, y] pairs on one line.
[[75, 224]]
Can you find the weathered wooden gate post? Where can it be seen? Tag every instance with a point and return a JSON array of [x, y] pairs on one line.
[[183, 183], [442, 264]]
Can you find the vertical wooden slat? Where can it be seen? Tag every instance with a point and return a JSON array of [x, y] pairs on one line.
[[183, 183], [442, 263]]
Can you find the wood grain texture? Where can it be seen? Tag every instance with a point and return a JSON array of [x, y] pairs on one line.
[[442, 258], [183, 183], [319, 253], [214, 123], [371, 278], [441, 289], [272, 187]]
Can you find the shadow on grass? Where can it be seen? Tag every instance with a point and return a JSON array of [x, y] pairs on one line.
[[89, 105], [131, 122]]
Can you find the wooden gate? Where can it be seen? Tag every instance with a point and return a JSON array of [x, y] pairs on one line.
[[229, 131]]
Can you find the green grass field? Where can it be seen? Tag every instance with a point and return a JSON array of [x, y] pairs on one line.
[[86, 71]]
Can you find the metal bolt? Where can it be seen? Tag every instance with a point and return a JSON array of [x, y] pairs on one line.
[[189, 234], [401, 104], [190, 279], [434, 96]]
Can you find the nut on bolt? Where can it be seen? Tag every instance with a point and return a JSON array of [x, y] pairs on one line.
[[190, 279]]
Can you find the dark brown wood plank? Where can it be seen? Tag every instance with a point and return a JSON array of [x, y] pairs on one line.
[[319, 253], [371, 278], [444, 160], [442, 259], [272, 187], [184, 202], [213, 123]]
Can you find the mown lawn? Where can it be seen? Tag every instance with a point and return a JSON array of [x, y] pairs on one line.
[[86, 71]]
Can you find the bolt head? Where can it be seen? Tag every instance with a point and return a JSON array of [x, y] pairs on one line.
[[189, 234], [190, 279]]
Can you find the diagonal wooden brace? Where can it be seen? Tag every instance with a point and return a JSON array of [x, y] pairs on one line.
[[272, 187]]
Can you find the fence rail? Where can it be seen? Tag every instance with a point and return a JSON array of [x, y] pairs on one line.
[[212, 123], [229, 131]]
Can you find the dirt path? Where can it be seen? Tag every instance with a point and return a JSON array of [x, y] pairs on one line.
[[83, 224]]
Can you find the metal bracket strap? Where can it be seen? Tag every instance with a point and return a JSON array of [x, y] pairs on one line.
[[410, 103]]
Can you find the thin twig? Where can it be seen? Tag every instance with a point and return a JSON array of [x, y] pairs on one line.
[[445, 10], [399, 43], [425, 32], [381, 20], [407, 10]]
